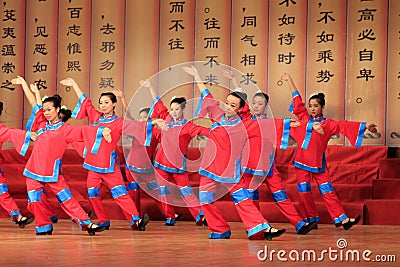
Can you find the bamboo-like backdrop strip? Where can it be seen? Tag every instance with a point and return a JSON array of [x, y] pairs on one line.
[[74, 49], [12, 21], [366, 65], [326, 42], [286, 52], [107, 60], [176, 47], [213, 43], [249, 41], [393, 76], [41, 48], [141, 50]]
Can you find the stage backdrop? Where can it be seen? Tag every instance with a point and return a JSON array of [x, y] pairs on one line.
[[341, 48]]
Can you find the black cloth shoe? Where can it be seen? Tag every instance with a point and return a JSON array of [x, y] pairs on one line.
[[143, 222], [24, 221]]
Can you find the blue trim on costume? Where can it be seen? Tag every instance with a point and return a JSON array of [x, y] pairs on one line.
[[64, 195], [226, 180], [286, 133], [175, 123], [46, 179], [307, 138], [106, 223], [78, 106], [118, 191], [149, 133], [113, 159], [155, 100], [14, 213], [86, 222], [34, 196], [44, 228], [360, 136], [240, 195], [291, 107], [203, 94], [133, 186], [200, 215], [135, 218], [170, 221], [254, 194], [304, 187], [299, 225], [3, 188], [340, 219], [325, 188], [255, 172], [280, 195], [31, 119], [152, 185], [97, 142], [186, 191], [224, 235], [84, 152], [258, 228], [206, 197], [169, 169], [225, 122], [313, 219], [164, 190], [105, 119], [139, 170], [93, 192], [25, 146], [309, 168]]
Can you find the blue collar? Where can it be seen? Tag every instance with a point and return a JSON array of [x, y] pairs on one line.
[[177, 123], [106, 119]]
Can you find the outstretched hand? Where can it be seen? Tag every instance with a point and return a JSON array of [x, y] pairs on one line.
[[118, 93], [318, 128], [145, 83], [69, 82], [33, 136], [34, 88], [107, 134], [372, 128], [18, 80], [191, 71], [285, 77], [160, 123]]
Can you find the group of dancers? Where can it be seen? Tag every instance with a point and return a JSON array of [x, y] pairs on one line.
[[238, 155]]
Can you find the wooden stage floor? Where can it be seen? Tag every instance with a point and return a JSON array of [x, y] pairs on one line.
[[187, 244]]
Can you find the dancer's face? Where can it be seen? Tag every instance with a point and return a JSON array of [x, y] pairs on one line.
[[106, 105], [259, 105], [315, 108], [232, 106], [50, 112], [143, 116], [176, 111]]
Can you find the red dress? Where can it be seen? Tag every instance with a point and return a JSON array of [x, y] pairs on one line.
[[310, 159]]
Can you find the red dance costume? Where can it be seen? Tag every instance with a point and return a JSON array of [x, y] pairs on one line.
[[17, 137], [44, 168], [263, 133], [100, 159], [170, 161], [221, 164], [310, 159]]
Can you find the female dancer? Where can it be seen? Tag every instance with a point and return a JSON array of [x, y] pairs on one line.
[[310, 157], [170, 159], [53, 137], [221, 163], [16, 136], [101, 159]]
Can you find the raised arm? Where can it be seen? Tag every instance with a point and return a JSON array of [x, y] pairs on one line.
[[147, 84], [118, 93], [297, 107], [288, 78], [196, 76], [229, 74], [28, 93], [71, 83], [35, 90]]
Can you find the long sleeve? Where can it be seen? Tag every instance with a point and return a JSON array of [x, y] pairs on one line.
[[158, 109], [298, 107], [20, 138], [354, 131], [198, 130], [208, 106], [85, 109]]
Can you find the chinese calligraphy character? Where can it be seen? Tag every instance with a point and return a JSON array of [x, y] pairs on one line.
[[9, 15], [74, 29], [74, 12], [366, 55], [366, 14], [324, 76], [74, 66], [364, 73], [326, 16], [107, 29], [8, 50], [39, 67], [249, 21], [106, 82], [211, 23], [107, 65], [325, 55], [287, 59], [8, 67], [286, 20], [8, 32], [248, 60], [211, 42], [40, 48], [74, 48], [41, 84], [247, 78], [6, 85], [325, 37], [249, 38], [107, 47], [176, 25], [287, 2], [286, 39], [366, 34], [41, 31], [211, 61], [175, 44], [176, 7], [211, 79]]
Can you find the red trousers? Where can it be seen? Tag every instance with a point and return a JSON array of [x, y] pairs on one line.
[[331, 201], [274, 184], [115, 182], [253, 220], [6, 201], [61, 189], [164, 180]]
